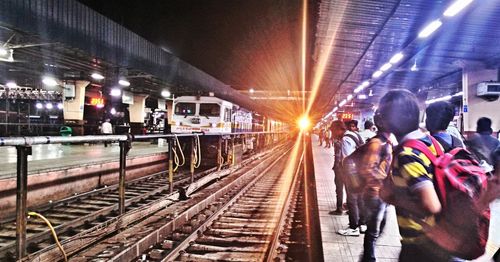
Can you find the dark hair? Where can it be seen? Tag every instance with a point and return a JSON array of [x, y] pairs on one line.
[[400, 111], [439, 116], [368, 124], [484, 125], [337, 125]]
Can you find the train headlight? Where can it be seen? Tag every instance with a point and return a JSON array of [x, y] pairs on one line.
[[304, 123]]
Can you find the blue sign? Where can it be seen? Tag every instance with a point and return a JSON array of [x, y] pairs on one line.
[[466, 109]]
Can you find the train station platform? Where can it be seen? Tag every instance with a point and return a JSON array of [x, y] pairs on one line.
[[337, 248]]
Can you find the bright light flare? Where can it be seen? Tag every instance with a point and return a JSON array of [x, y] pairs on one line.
[[49, 81], [11, 85], [165, 93], [123, 82], [3, 51], [116, 92], [304, 123], [377, 74], [386, 67], [456, 7], [97, 76], [396, 58]]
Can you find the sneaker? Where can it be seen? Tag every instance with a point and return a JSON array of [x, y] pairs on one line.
[[362, 229], [338, 212], [349, 232]]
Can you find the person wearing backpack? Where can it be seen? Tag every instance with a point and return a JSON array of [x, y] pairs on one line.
[[441, 204], [438, 117], [349, 142], [374, 166]]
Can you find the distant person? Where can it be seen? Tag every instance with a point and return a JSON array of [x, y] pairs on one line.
[[328, 138], [349, 142], [369, 131], [438, 117], [321, 135], [106, 129], [352, 125], [375, 167], [483, 143]]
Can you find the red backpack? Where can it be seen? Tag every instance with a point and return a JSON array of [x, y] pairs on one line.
[[458, 181]]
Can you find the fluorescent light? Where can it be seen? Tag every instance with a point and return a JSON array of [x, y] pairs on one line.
[[60, 106], [251, 90], [113, 111], [386, 67], [165, 93], [365, 83], [97, 76], [116, 92], [123, 82], [396, 58], [49, 106], [39, 105], [49, 81], [11, 84], [362, 97], [349, 97], [429, 29], [342, 103], [3, 51], [444, 98], [456, 7], [377, 74], [358, 89], [335, 110]]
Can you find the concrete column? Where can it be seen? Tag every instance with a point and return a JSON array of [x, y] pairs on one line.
[[475, 107], [137, 114], [73, 109]]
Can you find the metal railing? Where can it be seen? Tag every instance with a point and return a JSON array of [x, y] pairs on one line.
[[23, 148]]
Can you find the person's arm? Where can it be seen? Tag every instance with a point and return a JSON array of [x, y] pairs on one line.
[[348, 146]]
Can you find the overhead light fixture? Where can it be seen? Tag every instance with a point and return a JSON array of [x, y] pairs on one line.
[[349, 97], [97, 76], [386, 67], [113, 111], [370, 93], [11, 84], [358, 89], [396, 58], [430, 28], [3, 51], [49, 81], [362, 96], [377, 74], [414, 67], [342, 103], [456, 7], [251, 91], [116, 92], [123, 82], [39, 105], [49, 106], [335, 109], [165, 93], [60, 106], [365, 83]]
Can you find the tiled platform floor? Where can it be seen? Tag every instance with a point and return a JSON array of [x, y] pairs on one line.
[[345, 248]]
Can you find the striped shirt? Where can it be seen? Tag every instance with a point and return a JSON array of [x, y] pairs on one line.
[[412, 170]]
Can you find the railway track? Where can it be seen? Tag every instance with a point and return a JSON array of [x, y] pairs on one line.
[[96, 211], [246, 216], [75, 214]]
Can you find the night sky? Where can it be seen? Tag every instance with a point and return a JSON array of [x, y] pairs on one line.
[[244, 43]]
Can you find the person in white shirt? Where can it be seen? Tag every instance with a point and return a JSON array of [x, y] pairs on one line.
[[369, 131], [106, 129]]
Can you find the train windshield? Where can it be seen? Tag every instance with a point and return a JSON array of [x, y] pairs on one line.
[[185, 109], [210, 110]]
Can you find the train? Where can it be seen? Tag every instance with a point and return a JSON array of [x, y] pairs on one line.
[[208, 114]]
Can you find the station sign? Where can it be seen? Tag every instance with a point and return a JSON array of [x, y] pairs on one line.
[[97, 101], [346, 116]]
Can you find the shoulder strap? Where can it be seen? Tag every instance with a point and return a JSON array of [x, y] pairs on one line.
[[420, 146], [447, 147], [354, 138]]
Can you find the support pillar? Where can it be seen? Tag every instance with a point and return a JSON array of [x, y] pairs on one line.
[[73, 108], [137, 114]]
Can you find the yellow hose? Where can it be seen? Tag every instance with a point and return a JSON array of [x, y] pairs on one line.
[[176, 156], [52, 231], [197, 155]]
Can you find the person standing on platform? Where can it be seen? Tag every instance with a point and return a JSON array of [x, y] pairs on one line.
[[106, 129], [438, 117], [369, 131], [375, 167], [483, 143], [321, 134], [349, 141]]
